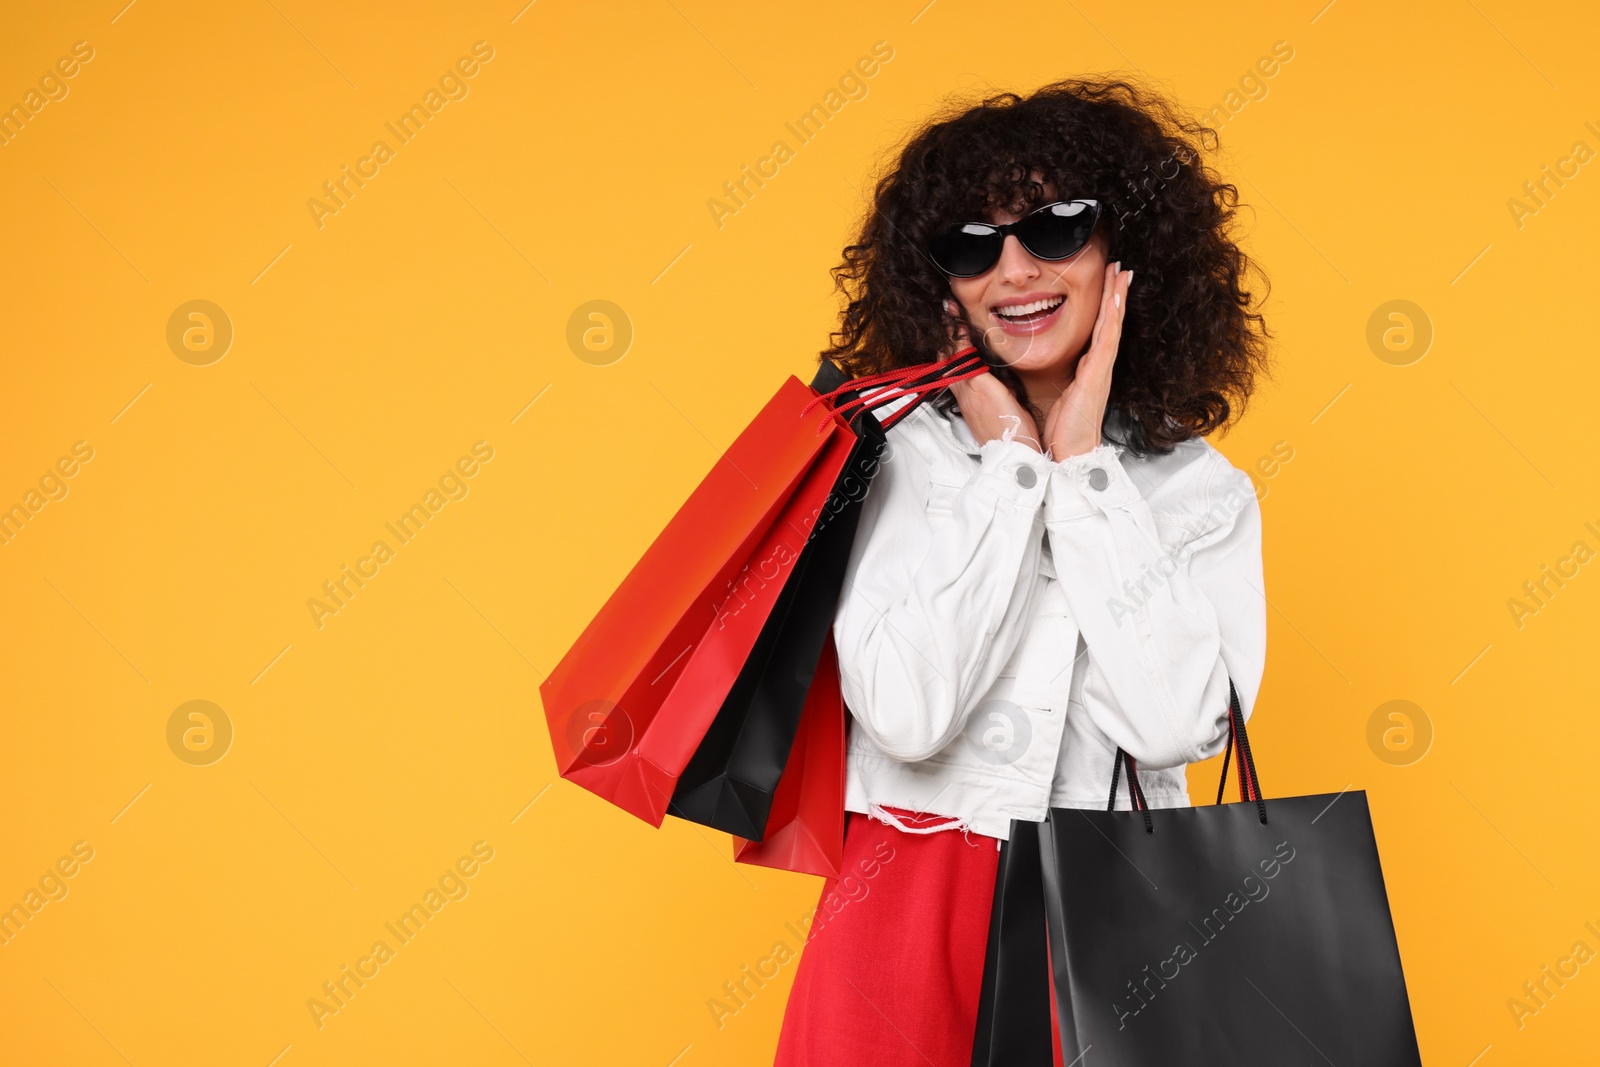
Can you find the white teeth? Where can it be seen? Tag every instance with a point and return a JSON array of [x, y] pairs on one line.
[[1019, 310]]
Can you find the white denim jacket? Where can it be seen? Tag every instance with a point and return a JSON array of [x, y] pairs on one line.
[[1007, 621]]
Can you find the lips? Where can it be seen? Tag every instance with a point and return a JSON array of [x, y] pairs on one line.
[[1030, 317], [1031, 310]]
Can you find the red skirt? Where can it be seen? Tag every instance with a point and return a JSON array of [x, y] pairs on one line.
[[893, 963]]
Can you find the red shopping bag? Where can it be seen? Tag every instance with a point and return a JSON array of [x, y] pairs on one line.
[[805, 832], [631, 701], [621, 723]]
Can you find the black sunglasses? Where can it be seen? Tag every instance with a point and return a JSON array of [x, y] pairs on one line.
[[1055, 231]]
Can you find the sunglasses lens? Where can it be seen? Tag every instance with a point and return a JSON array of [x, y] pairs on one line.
[[1059, 230], [966, 250]]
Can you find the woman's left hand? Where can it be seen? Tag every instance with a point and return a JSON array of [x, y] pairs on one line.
[[1074, 423]]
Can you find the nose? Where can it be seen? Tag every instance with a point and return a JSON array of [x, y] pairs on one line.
[[1017, 266]]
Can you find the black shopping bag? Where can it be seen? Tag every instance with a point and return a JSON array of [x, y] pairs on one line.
[[1249, 933], [730, 781]]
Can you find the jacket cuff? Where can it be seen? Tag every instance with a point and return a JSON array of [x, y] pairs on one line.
[[1015, 472], [1087, 484]]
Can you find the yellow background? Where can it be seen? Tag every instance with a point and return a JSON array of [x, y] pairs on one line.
[[372, 352]]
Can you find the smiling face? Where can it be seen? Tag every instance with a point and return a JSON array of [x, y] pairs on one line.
[[1036, 315]]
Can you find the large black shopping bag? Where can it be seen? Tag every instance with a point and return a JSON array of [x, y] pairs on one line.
[[1248, 933], [730, 781]]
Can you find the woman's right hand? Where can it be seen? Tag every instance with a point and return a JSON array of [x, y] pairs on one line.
[[989, 407]]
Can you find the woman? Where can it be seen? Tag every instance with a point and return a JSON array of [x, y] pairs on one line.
[[1052, 562]]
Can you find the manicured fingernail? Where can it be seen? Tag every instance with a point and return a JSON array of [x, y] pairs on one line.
[[1130, 277], [1116, 298]]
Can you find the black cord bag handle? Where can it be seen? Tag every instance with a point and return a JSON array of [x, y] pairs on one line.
[[1238, 738]]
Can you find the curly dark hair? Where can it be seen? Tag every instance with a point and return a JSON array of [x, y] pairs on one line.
[[1192, 343]]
